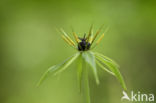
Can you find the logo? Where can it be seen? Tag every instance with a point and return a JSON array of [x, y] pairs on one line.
[[135, 97]]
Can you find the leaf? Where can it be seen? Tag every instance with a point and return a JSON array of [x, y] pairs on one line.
[[79, 70], [57, 68], [113, 68], [90, 59], [44, 76], [108, 59], [104, 68], [67, 63]]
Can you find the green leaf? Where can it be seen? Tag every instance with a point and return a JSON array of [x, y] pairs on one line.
[[67, 63], [79, 70], [108, 59], [90, 59], [58, 68], [44, 76], [113, 68], [104, 68]]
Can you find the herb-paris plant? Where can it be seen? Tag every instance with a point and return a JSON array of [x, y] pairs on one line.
[[86, 56]]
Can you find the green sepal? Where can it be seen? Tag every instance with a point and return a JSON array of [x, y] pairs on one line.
[[112, 66], [90, 59], [58, 68], [79, 70]]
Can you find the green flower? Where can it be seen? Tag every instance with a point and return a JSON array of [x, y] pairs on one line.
[[86, 56]]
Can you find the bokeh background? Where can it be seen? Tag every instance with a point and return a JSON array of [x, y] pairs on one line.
[[29, 44]]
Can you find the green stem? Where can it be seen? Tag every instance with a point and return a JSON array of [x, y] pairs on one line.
[[86, 84]]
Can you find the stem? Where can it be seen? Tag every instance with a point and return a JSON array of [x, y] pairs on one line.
[[86, 84]]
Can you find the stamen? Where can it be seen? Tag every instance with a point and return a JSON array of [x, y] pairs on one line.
[[90, 32], [101, 37], [96, 34], [66, 40], [90, 38], [84, 36], [69, 39], [75, 36]]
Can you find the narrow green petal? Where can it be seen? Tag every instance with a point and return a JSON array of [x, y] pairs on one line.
[[53, 69], [108, 59], [104, 68], [44, 76], [79, 70], [90, 59], [67, 63], [113, 68]]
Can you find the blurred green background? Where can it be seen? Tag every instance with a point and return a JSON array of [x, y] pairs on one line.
[[29, 44]]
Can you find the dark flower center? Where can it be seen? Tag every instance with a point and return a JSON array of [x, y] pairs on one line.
[[84, 45]]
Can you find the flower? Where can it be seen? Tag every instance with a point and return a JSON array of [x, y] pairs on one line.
[[86, 56]]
